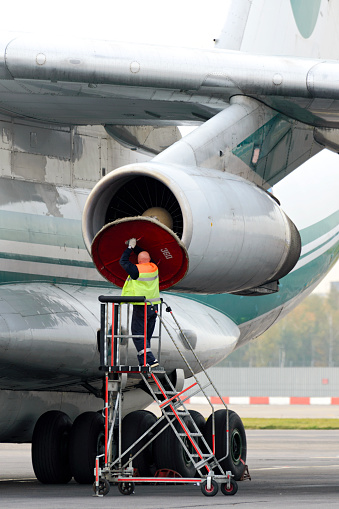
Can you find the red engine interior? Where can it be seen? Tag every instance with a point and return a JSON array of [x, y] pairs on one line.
[[164, 247]]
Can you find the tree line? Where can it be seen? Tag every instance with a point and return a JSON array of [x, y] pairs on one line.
[[307, 336]]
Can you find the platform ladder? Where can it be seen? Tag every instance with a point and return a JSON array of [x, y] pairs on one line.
[[112, 466]]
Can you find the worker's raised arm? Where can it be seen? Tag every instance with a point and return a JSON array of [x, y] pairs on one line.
[[129, 267]]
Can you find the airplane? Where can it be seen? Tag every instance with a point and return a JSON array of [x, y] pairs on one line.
[[90, 142]]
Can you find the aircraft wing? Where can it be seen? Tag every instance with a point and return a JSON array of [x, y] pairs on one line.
[[109, 83], [82, 81]]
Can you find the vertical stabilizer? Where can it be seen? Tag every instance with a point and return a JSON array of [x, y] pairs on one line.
[[307, 28], [232, 34]]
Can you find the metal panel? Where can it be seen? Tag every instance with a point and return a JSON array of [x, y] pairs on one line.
[[86, 160], [45, 141]]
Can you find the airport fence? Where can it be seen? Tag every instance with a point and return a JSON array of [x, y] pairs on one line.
[[276, 382]]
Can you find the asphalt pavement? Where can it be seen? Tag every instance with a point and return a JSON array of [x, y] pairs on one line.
[[288, 468]]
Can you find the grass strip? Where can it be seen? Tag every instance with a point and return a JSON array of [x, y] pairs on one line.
[[258, 423]]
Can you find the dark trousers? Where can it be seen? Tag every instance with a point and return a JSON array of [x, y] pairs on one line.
[[138, 328]]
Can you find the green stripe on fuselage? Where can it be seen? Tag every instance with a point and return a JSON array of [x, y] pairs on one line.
[[44, 259], [38, 229], [311, 233], [21, 277]]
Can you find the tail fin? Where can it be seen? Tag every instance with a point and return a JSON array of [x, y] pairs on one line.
[[306, 28]]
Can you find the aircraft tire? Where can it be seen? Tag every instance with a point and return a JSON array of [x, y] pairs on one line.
[[237, 453], [199, 419], [169, 453], [87, 439], [134, 425], [50, 448]]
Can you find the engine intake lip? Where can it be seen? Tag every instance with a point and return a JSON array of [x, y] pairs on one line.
[[98, 207]]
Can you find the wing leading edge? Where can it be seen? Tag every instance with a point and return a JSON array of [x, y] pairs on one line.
[[101, 82]]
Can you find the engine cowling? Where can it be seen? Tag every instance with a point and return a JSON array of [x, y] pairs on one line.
[[237, 236]]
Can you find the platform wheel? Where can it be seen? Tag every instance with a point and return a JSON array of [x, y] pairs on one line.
[[212, 491], [103, 488], [126, 488], [231, 490]]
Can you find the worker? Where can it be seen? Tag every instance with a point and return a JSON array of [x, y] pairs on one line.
[[142, 280]]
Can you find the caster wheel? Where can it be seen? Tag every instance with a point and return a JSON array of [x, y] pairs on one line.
[[209, 492], [104, 487], [231, 490], [126, 488]]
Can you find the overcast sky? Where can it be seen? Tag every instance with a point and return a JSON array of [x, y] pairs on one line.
[[175, 23], [178, 22]]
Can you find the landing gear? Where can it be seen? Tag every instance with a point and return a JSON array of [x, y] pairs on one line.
[[199, 419], [87, 439], [164, 453], [134, 425], [50, 448], [61, 450], [170, 454], [236, 459]]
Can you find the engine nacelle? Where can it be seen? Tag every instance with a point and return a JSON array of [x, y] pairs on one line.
[[237, 236]]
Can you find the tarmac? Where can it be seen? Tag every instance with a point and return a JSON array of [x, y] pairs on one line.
[[288, 468]]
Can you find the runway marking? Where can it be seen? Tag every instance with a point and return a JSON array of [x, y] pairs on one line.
[[324, 457], [292, 466], [28, 479]]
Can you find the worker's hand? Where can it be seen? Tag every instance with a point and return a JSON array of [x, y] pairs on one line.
[[132, 243]]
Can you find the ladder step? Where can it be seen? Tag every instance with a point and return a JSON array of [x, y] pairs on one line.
[[204, 462], [179, 412], [206, 456], [168, 394], [190, 434]]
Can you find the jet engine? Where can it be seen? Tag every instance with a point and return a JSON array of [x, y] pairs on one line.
[[235, 235]]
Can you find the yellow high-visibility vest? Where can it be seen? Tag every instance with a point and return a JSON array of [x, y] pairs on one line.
[[146, 285]]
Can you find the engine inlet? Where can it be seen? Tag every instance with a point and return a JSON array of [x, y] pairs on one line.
[[146, 196]]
